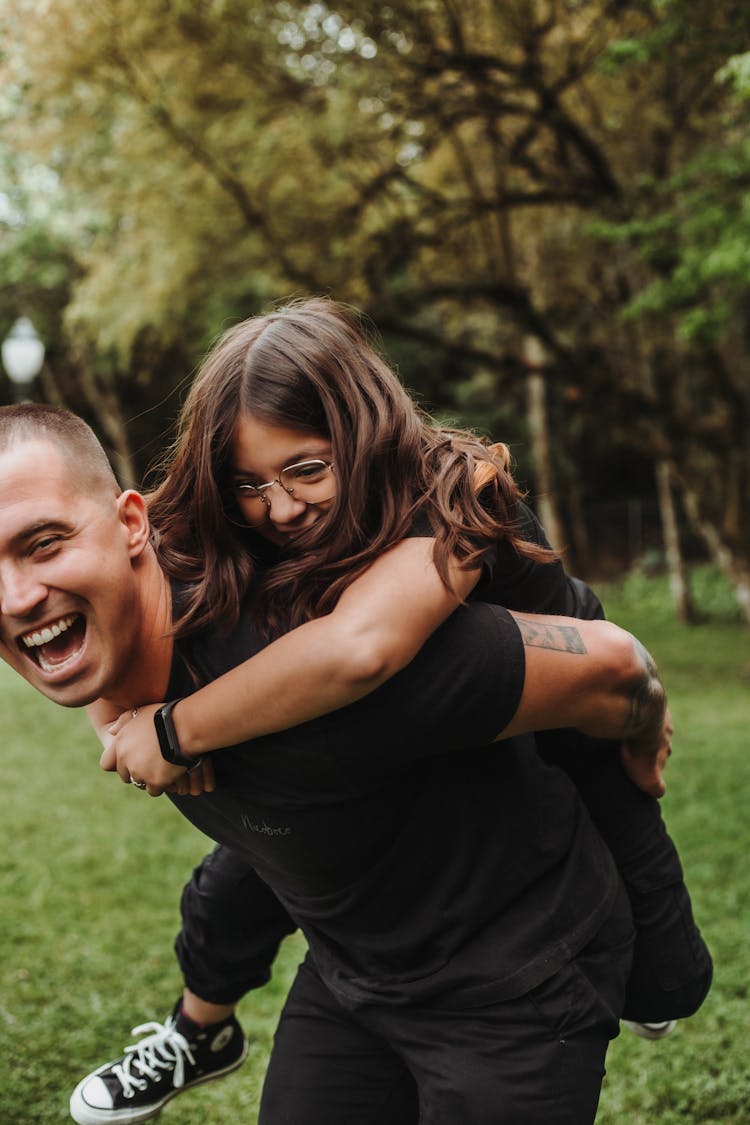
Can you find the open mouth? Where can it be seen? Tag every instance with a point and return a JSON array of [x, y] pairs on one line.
[[57, 643]]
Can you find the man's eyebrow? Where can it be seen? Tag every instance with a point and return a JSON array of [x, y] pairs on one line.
[[38, 528]]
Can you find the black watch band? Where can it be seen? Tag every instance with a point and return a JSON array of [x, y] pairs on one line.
[[169, 743]]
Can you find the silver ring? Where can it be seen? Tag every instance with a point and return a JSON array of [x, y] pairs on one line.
[[135, 712], [138, 784]]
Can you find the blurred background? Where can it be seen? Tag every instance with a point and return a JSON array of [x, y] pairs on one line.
[[542, 205]]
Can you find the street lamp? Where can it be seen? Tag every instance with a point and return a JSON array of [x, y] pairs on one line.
[[23, 355]]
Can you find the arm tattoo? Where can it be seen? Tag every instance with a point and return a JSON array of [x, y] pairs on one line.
[[559, 638], [648, 700]]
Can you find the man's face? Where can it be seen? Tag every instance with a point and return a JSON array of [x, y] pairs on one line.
[[68, 605]]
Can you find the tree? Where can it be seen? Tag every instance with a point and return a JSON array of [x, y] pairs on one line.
[[470, 174]]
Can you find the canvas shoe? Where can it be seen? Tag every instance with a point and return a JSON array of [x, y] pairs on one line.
[[651, 1030], [164, 1063]]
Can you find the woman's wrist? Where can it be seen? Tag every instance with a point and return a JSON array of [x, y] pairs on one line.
[[183, 729]]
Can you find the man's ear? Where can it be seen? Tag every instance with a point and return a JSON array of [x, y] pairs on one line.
[[131, 508]]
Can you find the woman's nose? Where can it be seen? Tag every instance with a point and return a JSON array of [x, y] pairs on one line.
[[284, 507]]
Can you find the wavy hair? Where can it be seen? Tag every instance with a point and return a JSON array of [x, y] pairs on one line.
[[309, 366]]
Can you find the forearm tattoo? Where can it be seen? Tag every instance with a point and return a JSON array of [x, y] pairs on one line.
[[648, 699], [559, 638]]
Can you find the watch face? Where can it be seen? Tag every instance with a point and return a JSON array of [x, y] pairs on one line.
[[169, 743], [165, 734]]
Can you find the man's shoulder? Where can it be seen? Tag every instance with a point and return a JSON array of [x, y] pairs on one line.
[[219, 647]]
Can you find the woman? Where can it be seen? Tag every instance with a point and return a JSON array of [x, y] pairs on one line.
[[303, 467], [424, 509]]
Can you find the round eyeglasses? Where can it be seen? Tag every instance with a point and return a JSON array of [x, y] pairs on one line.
[[312, 482]]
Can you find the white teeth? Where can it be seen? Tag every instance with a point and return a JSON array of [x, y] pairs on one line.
[[34, 640]]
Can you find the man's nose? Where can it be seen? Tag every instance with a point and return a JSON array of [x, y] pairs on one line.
[[20, 591], [284, 507]]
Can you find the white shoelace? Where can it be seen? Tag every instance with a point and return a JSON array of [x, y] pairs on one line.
[[164, 1049]]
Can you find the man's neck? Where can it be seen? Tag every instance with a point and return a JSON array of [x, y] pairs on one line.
[[151, 658]]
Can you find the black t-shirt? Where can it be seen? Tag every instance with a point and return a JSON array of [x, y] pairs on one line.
[[421, 861]]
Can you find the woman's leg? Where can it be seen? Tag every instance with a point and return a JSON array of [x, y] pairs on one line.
[[232, 925], [672, 966]]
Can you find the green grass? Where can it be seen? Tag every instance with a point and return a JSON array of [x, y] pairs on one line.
[[701, 1073], [91, 871]]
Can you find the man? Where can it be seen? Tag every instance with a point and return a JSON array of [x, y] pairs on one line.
[[451, 892]]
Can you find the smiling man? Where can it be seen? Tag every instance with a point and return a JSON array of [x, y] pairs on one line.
[[453, 892], [76, 619]]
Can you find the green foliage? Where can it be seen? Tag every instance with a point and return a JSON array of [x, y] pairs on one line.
[[37, 272], [737, 71], [624, 51], [467, 174], [704, 234], [695, 233], [712, 594]]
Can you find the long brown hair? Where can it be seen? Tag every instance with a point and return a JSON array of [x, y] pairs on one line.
[[310, 366]]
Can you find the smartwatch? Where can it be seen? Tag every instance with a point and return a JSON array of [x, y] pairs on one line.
[[169, 743]]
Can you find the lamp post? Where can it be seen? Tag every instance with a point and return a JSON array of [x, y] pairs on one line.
[[23, 356]]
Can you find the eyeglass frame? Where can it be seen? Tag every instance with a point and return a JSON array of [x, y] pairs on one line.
[[262, 489]]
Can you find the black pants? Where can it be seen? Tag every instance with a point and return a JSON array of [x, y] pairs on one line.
[[534, 1060], [672, 967], [231, 929]]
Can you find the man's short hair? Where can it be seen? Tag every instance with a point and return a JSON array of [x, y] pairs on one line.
[[79, 445]]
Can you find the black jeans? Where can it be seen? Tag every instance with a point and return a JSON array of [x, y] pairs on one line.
[[534, 1060], [232, 926], [672, 967]]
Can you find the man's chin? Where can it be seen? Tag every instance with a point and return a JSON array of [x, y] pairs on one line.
[[77, 692], [73, 697]]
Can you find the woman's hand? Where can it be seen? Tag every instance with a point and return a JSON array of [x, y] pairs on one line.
[[644, 761], [134, 753], [194, 782]]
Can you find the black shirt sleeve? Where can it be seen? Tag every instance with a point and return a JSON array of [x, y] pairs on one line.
[[521, 583], [461, 690]]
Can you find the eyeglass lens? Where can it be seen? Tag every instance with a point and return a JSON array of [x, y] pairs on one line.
[[312, 482]]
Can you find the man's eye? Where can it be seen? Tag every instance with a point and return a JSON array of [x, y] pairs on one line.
[[48, 542]]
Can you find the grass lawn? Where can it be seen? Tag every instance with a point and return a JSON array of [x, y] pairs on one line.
[[91, 872]]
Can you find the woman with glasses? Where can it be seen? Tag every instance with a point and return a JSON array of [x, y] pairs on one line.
[[304, 474]]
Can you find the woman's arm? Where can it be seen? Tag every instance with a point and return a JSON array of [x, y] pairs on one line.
[[379, 624]]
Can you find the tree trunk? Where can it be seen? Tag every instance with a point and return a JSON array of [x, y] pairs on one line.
[[678, 578], [736, 569], [579, 531], [109, 424], [114, 432], [536, 400]]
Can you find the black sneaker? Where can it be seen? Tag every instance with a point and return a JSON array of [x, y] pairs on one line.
[[166, 1062]]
